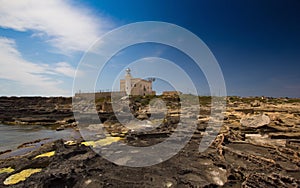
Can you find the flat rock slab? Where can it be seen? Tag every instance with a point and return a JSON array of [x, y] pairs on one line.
[[255, 121]]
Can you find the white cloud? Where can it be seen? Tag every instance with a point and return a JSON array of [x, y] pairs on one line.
[[29, 78], [65, 69], [63, 25]]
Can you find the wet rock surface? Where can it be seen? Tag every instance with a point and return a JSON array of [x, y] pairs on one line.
[[242, 155], [36, 110]]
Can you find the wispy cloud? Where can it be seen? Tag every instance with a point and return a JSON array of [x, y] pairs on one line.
[[60, 23], [65, 69], [37, 79]]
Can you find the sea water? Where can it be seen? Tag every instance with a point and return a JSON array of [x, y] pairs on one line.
[[11, 136]]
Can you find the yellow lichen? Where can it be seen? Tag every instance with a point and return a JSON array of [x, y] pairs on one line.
[[6, 170], [70, 143], [21, 176], [102, 142], [114, 134], [89, 143], [48, 154], [108, 141]]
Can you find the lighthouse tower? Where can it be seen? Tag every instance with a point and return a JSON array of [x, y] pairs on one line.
[[128, 84]]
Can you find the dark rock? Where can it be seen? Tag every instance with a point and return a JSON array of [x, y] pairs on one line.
[[36, 110]]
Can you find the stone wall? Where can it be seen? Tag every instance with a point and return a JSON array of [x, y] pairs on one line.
[[99, 94]]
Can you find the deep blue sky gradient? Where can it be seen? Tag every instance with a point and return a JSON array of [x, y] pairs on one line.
[[257, 43]]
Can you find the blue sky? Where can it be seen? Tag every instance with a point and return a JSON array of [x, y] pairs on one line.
[[256, 43]]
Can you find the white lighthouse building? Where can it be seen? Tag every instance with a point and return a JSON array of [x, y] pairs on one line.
[[136, 86]]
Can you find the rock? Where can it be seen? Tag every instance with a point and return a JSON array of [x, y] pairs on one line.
[[288, 135], [255, 121], [264, 140], [95, 127], [269, 180], [256, 103], [36, 110], [142, 116], [60, 128], [70, 142], [251, 155], [6, 151], [21, 176]]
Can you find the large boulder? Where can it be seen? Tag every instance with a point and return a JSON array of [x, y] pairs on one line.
[[255, 121]]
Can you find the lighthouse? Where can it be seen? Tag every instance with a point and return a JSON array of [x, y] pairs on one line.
[[136, 86], [128, 78]]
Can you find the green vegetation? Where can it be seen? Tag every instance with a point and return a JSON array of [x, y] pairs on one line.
[[103, 99], [293, 100]]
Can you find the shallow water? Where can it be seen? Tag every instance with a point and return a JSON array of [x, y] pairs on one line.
[[11, 136]]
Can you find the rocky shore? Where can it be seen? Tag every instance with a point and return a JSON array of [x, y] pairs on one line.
[[257, 146], [36, 110]]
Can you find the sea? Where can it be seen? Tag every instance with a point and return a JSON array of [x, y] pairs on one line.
[[12, 136]]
